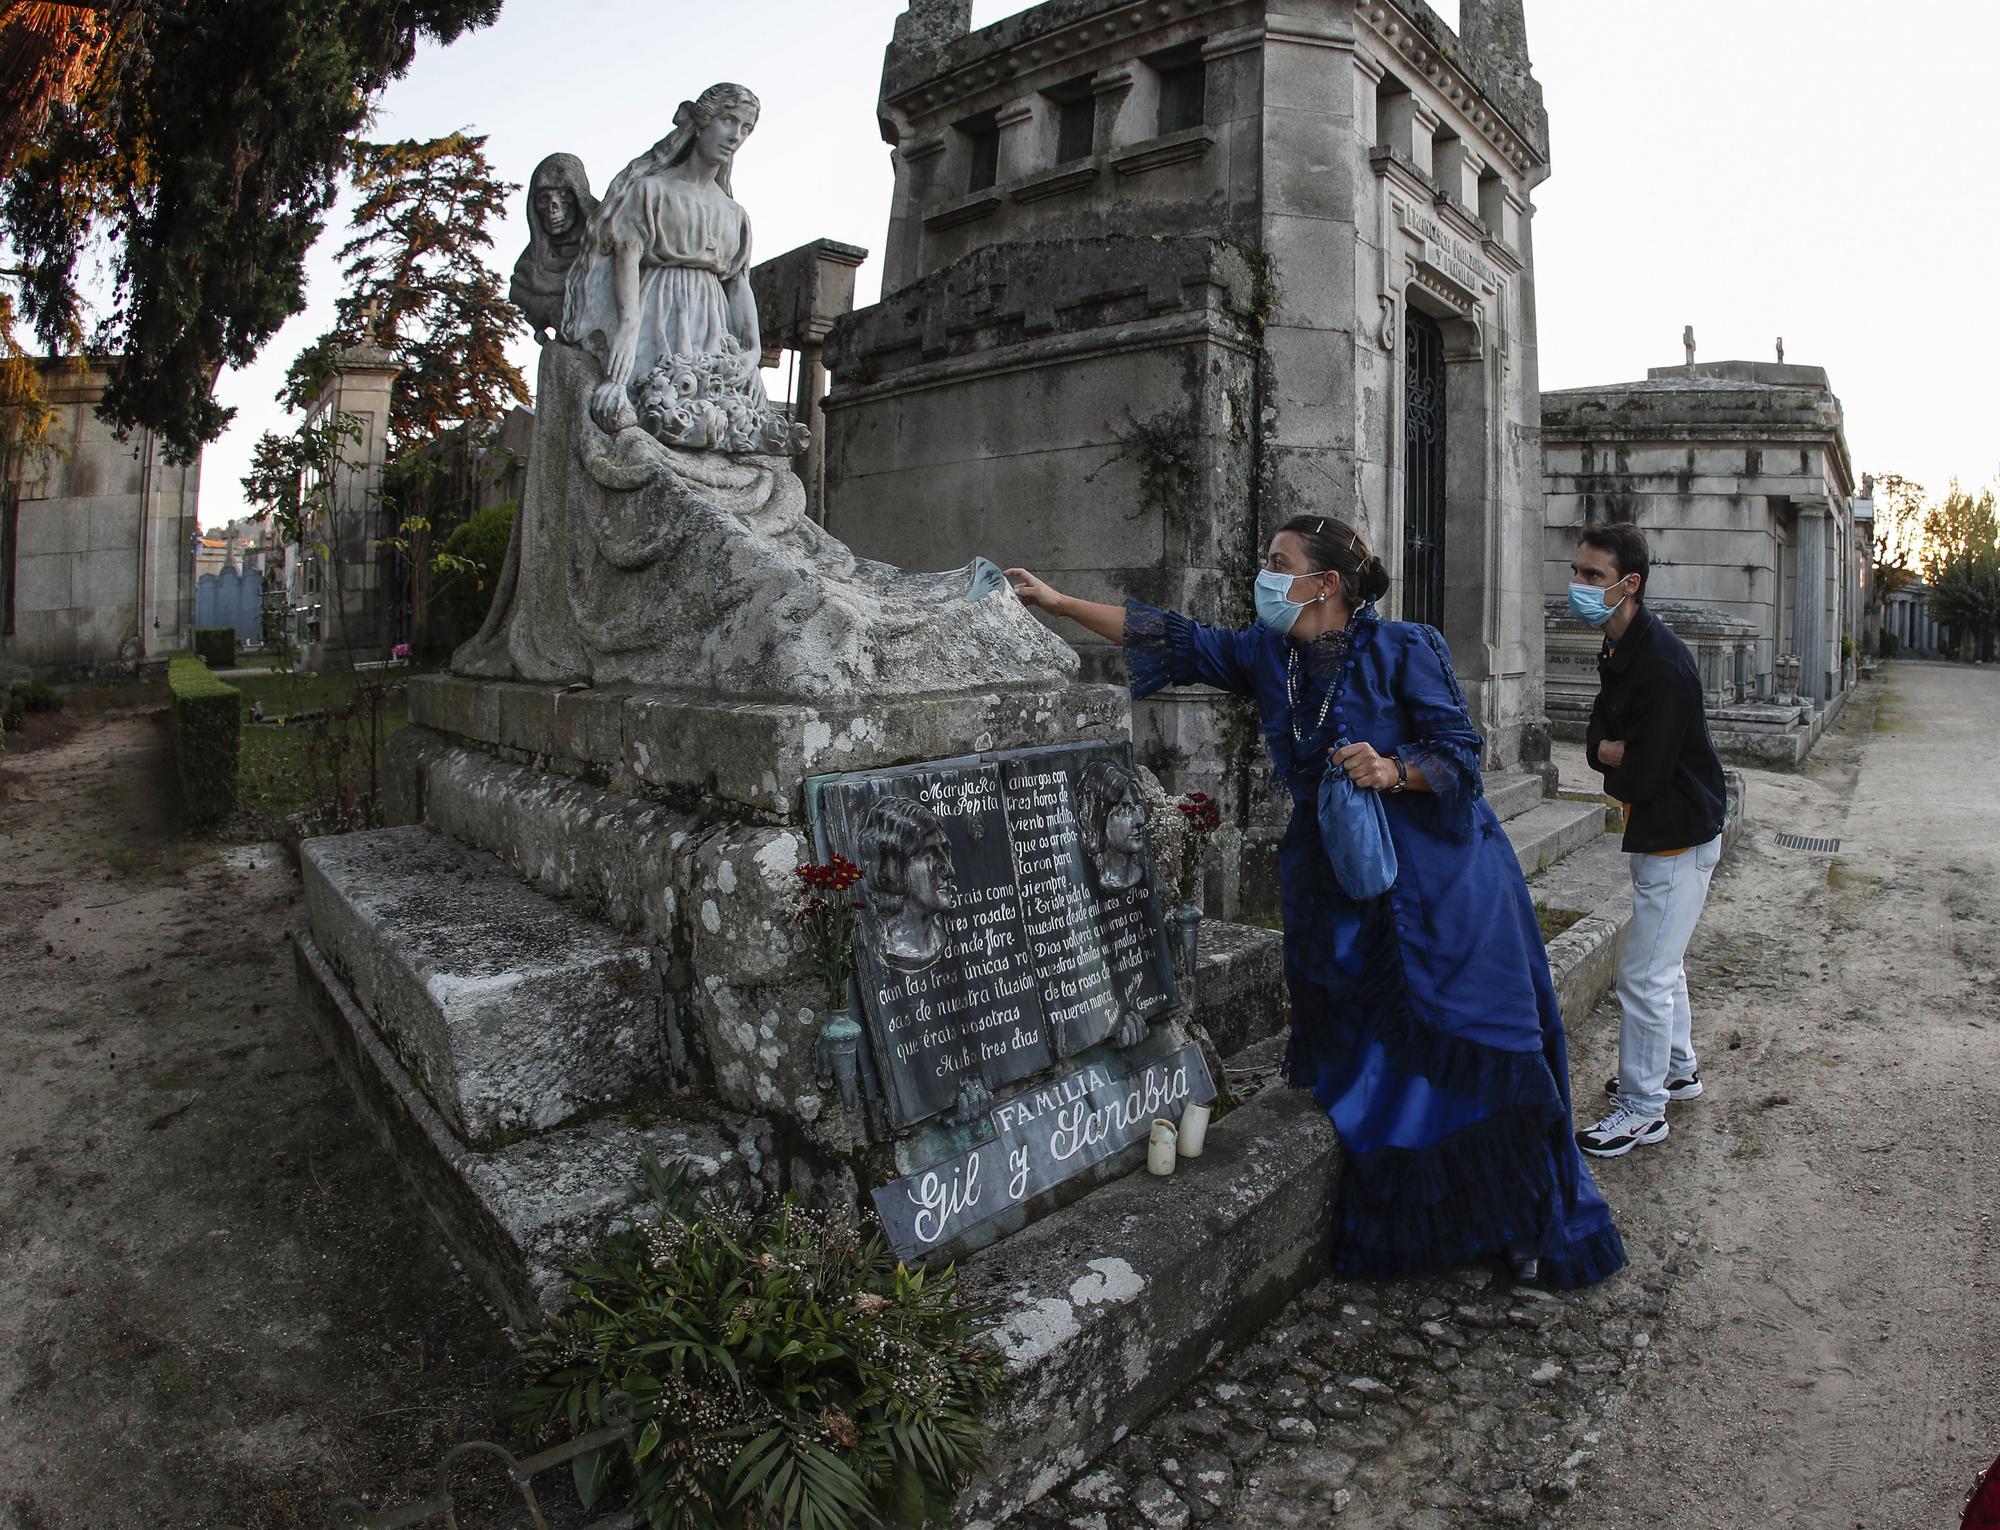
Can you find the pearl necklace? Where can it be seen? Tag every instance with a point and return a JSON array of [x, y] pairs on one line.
[[1333, 689]]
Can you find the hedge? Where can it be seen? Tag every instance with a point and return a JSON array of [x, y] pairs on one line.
[[481, 541], [217, 646], [208, 731]]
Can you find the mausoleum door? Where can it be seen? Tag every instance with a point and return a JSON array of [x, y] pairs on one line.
[[1423, 468]]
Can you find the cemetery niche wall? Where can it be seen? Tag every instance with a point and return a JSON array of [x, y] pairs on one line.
[[576, 942]]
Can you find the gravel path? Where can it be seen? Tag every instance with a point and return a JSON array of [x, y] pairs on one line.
[[219, 1302], [1807, 1332]]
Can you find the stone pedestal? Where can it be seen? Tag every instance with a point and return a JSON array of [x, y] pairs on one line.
[[587, 914], [354, 622]]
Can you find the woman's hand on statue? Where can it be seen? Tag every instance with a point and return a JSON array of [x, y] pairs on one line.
[[1033, 592], [1365, 768]]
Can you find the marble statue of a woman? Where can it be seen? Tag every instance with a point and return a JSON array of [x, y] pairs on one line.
[[660, 293], [662, 538]]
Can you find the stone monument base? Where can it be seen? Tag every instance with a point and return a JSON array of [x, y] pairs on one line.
[[747, 758], [517, 1215]]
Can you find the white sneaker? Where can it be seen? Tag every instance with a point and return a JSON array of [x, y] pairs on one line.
[[1620, 1132]]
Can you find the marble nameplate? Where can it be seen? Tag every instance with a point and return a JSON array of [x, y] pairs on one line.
[[1009, 917], [1041, 1137]]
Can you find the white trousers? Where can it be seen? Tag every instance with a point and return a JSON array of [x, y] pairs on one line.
[[1656, 1040]]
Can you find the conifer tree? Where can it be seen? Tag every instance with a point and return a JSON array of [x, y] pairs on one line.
[[418, 285], [197, 144]]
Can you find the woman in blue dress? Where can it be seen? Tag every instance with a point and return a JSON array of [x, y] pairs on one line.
[[1423, 1020]]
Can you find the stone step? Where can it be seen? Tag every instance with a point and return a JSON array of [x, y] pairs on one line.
[[1510, 793], [1239, 987], [1544, 835], [512, 1012], [1108, 1308], [517, 1217]]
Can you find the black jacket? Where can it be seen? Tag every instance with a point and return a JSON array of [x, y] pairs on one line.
[[1649, 695]]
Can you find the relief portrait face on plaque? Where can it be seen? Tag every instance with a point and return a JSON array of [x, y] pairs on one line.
[[1113, 820], [910, 881]]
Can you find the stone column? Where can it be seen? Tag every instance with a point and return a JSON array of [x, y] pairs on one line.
[[358, 597], [799, 296], [1809, 625]]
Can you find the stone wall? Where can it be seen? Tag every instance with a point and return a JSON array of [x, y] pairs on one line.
[[1146, 283], [96, 544]]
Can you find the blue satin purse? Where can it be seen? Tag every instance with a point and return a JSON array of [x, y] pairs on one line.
[[1354, 827]]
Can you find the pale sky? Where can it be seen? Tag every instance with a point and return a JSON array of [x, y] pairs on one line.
[[1755, 168]]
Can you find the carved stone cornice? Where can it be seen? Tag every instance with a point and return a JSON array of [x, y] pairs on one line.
[[1394, 29], [970, 209]]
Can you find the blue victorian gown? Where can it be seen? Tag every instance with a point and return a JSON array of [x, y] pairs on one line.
[[1424, 1021]]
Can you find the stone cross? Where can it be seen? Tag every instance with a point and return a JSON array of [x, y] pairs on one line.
[[1687, 339], [371, 315]]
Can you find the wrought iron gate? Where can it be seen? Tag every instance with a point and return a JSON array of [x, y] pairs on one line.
[[1423, 469]]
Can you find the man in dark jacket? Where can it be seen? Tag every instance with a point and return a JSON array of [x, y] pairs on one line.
[[1648, 738]]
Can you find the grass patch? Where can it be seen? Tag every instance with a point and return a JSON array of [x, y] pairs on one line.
[[1261, 921], [1555, 920], [284, 771]]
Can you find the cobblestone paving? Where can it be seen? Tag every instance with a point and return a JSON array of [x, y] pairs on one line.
[[1446, 1402]]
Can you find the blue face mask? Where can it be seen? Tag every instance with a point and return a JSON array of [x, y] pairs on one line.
[[1275, 608], [1586, 603]]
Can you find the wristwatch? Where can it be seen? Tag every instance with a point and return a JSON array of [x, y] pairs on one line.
[[1402, 774]]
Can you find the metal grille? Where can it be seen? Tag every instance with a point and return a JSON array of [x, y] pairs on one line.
[[1806, 842], [1423, 469]]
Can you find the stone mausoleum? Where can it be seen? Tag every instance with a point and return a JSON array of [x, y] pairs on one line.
[[96, 543], [1159, 276], [1738, 471]]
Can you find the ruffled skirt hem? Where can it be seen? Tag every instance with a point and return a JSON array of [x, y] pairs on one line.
[[1497, 1188]]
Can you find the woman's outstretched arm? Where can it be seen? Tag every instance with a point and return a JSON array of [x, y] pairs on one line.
[[1161, 647], [1107, 621]]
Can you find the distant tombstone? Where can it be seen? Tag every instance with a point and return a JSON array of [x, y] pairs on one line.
[[1009, 918], [231, 598]]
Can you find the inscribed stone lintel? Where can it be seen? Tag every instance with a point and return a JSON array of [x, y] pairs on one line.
[[1009, 917], [1443, 255]]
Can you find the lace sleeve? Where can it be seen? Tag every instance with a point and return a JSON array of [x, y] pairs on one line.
[[1165, 648], [1443, 743]]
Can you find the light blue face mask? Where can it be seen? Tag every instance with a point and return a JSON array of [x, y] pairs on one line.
[[1586, 603], [1275, 608]]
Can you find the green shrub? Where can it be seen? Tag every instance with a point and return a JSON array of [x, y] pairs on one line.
[[216, 646], [1885, 643], [482, 543], [11, 712], [208, 729], [781, 1371], [35, 696]]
